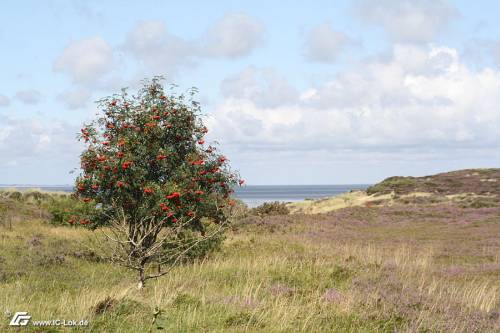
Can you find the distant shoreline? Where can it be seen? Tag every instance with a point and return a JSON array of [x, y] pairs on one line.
[[252, 195]]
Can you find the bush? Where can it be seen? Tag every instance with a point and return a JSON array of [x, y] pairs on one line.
[[398, 185], [66, 210], [271, 208], [187, 241], [15, 195]]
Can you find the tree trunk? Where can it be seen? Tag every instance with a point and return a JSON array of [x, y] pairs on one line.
[[142, 279]]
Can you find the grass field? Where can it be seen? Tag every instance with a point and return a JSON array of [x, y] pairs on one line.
[[404, 267]]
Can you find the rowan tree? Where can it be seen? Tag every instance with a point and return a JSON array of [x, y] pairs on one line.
[[152, 178]]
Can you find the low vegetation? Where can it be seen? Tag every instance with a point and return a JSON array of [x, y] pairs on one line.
[[414, 262], [475, 188], [478, 181]]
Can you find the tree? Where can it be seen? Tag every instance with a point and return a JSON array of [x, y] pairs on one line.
[[150, 175]]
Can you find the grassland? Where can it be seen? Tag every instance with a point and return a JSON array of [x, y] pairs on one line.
[[402, 264]]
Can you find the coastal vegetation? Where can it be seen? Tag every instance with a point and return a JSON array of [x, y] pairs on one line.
[[392, 260]]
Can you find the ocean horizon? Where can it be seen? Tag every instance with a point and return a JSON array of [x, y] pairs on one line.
[[251, 195]]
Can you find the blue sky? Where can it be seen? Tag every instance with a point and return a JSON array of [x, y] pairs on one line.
[[329, 92]]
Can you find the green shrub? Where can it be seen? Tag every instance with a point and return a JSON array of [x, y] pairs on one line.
[[15, 195], [271, 208], [65, 210], [398, 185], [195, 246]]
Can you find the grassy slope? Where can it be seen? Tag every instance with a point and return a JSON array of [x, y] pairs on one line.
[[478, 181], [471, 187], [429, 267]]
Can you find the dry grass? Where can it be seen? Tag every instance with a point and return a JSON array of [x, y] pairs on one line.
[[359, 269]]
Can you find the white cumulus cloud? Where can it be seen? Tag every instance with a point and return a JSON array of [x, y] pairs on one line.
[[75, 99], [264, 87], [408, 20], [31, 141], [419, 98], [323, 44], [157, 49], [234, 35], [86, 61]]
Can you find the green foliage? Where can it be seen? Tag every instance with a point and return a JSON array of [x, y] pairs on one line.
[[193, 245], [146, 155], [67, 209], [15, 195], [148, 174], [397, 184], [270, 208]]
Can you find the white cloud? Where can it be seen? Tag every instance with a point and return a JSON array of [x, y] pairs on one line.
[[408, 20], [4, 100], [37, 151], [32, 140], [75, 99], [420, 98], [87, 61], [234, 35], [160, 51], [30, 96], [264, 87], [323, 44]]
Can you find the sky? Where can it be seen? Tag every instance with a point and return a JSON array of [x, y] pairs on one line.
[[307, 92]]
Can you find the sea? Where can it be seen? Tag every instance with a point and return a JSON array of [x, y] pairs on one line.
[[252, 195]]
